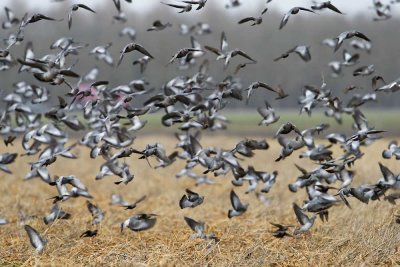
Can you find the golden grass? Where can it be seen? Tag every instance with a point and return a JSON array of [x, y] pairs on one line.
[[366, 235]]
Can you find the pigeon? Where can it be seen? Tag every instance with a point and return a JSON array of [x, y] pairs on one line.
[[75, 7], [199, 228], [89, 233], [97, 214], [325, 5], [132, 47], [302, 50], [190, 200], [292, 11], [281, 231], [305, 221], [238, 207], [36, 240], [139, 222], [348, 35]]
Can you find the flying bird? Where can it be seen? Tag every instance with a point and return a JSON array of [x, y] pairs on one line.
[[74, 8], [132, 47], [292, 11]]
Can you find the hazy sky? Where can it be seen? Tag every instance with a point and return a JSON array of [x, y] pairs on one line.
[[350, 7]]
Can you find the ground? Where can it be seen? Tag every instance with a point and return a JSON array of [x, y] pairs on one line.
[[364, 235]]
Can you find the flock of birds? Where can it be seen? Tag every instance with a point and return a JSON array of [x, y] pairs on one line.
[[110, 121]]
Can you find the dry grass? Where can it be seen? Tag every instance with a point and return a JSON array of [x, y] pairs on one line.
[[365, 235]]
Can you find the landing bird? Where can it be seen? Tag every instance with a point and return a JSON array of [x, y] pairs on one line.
[[36, 240], [304, 220], [74, 8], [139, 222], [97, 214], [199, 229], [281, 230], [238, 207], [190, 200]]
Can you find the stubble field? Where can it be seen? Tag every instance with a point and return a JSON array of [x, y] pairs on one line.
[[365, 235]]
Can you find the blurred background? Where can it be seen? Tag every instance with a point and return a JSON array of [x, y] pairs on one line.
[[263, 42]]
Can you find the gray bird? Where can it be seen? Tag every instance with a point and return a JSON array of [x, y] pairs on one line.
[[292, 11], [268, 115], [199, 229], [132, 47], [97, 214], [56, 213], [139, 222], [129, 206], [305, 221], [255, 20], [238, 207], [74, 8], [190, 200], [302, 50], [325, 5], [348, 35], [159, 26], [36, 240]]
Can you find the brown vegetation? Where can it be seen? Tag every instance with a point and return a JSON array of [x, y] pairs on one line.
[[365, 235]]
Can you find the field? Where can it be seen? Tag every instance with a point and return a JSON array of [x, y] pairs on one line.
[[365, 235]]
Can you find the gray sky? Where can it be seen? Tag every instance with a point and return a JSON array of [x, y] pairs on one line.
[[350, 7]]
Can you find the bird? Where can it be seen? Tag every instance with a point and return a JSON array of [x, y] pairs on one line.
[[268, 115], [190, 200], [255, 20], [302, 50], [56, 213], [223, 53], [305, 221], [36, 240], [132, 47], [238, 208], [159, 26], [200, 3], [129, 206], [183, 8], [287, 128], [348, 35], [199, 229], [97, 214], [139, 222], [37, 17], [281, 230], [325, 5], [74, 8], [89, 233], [292, 11]]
